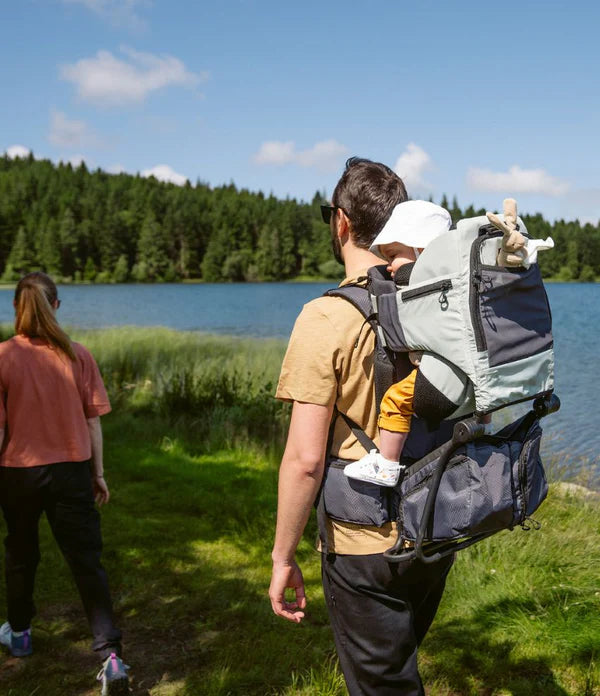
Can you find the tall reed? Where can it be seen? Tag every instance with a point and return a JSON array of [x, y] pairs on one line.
[[220, 390]]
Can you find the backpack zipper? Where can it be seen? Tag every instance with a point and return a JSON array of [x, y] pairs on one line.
[[474, 305], [441, 286], [522, 474]]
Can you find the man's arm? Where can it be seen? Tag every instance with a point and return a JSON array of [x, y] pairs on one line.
[[300, 476], [101, 493]]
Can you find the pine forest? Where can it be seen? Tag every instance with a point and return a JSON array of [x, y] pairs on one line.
[[91, 226]]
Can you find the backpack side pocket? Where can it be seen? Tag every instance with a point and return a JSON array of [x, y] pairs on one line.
[[348, 500]]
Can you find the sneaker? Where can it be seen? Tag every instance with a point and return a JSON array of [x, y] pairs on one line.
[[113, 676], [374, 468], [18, 642]]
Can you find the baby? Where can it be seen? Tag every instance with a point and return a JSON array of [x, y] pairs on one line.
[[411, 227]]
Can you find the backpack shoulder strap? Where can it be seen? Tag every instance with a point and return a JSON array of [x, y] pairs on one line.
[[359, 296]]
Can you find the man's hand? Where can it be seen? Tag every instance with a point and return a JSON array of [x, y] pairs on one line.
[[101, 492], [287, 575]]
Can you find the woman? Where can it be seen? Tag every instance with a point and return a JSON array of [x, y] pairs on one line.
[[51, 400]]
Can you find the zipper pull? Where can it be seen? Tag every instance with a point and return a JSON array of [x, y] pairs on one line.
[[443, 298]]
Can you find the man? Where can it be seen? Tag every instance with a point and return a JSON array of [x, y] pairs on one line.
[[379, 612]]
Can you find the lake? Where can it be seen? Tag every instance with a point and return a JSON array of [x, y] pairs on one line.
[[269, 310]]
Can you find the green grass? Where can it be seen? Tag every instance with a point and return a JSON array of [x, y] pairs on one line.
[[188, 534]]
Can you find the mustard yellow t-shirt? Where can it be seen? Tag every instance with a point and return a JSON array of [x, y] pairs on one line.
[[329, 361]]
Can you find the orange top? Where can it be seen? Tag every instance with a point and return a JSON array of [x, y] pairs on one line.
[[45, 399]]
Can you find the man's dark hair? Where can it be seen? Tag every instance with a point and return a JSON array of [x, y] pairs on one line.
[[368, 192]]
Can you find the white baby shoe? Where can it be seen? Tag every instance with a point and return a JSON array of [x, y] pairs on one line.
[[374, 468]]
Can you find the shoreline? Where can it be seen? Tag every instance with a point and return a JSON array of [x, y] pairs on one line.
[[300, 279]]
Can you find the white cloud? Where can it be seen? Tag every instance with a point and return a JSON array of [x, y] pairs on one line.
[[15, 151], [324, 155], [516, 180], [110, 81], [411, 166], [275, 152], [163, 172], [121, 13], [66, 132]]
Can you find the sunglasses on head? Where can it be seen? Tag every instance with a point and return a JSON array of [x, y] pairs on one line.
[[327, 211]]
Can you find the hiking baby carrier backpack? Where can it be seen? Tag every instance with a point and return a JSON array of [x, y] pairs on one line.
[[486, 333]]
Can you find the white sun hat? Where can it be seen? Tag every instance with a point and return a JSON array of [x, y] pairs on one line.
[[414, 223]]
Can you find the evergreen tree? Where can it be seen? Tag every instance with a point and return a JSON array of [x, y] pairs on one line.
[[214, 258], [139, 272], [49, 253], [572, 259], [587, 275], [22, 256], [238, 266], [89, 272], [67, 233], [121, 271], [455, 211], [275, 253], [153, 250]]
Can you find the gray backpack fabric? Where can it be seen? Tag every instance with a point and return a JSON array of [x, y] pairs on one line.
[[486, 330], [492, 483]]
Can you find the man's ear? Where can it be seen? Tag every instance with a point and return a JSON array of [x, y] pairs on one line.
[[343, 224]]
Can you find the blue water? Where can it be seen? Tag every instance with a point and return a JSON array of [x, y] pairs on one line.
[[241, 309], [576, 328], [269, 310]]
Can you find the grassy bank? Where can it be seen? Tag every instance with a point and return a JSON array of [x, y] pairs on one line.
[[217, 390], [191, 453]]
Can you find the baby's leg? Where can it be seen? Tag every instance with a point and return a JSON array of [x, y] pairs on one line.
[[391, 444], [394, 423]]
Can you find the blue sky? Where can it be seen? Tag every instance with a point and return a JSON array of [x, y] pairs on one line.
[[475, 99]]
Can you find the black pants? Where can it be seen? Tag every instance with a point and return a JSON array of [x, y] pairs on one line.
[[64, 492], [380, 613]]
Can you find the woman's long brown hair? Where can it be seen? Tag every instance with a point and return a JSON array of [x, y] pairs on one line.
[[34, 296]]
